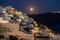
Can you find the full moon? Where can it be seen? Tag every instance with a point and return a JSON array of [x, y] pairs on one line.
[[31, 9]]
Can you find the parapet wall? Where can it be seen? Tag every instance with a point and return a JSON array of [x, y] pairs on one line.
[[11, 26]]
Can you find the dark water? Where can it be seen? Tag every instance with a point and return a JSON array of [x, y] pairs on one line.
[[55, 27], [51, 20]]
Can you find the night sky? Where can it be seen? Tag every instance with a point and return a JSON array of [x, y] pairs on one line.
[[41, 6]]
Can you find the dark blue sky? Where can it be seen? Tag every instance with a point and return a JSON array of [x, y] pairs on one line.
[[40, 5]]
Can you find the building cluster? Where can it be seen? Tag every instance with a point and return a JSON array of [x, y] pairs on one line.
[[15, 25]]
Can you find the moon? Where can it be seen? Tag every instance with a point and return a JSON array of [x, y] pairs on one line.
[[31, 9]]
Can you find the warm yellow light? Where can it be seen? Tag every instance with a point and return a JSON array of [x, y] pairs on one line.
[[18, 12], [35, 30]]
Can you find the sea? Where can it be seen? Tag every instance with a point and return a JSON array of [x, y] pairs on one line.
[[55, 27]]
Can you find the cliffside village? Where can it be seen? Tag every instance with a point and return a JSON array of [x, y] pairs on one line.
[[15, 25]]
